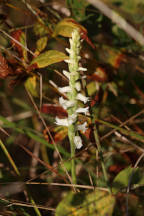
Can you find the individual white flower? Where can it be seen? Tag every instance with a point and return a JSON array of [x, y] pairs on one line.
[[68, 50], [82, 69], [70, 41], [78, 86], [66, 73], [66, 103], [68, 61], [82, 98], [84, 77], [82, 127], [72, 118], [62, 122], [78, 142], [65, 89], [84, 110]]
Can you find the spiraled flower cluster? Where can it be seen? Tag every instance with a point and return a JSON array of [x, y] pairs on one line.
[[73, 93]]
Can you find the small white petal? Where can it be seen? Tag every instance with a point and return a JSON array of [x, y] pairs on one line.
[[78, 142], [72, 119], [82, 69], [66, 73], [67, 61], [65, 89], [82, 98], [83, 110], [79, 57], [62, 122], [70, 41], [68, 50], [84, 77], [82, 127], [65, 103], [78, 86]]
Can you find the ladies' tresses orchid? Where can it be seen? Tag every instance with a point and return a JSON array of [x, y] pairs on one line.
[[73, 94]]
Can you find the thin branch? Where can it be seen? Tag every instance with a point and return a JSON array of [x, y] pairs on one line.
[[44, 124], [28, 50], [117, 19], [24, 204]]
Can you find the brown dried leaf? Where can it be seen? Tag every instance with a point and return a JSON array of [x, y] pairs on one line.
[[5, 70]]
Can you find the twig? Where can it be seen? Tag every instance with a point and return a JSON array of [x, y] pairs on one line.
[[28, 50], [44, 124], [116, 18], [123, 124], [17, 203]]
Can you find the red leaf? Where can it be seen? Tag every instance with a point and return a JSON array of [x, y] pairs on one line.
[[5, 70], [16, 35], [119, 58], [54, 110], [100, 75]]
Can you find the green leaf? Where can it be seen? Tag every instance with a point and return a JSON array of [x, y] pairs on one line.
[[78, 8], [31, 85], [128, 177], [41, 44], [92, 88], [48, 58], [40, 29], [66, 27], [23, 42], [97, 203]]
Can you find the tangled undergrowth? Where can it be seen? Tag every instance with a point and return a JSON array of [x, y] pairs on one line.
[[71, 117]]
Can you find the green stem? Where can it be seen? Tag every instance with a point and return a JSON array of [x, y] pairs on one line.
[[71, 134], [100, 153]]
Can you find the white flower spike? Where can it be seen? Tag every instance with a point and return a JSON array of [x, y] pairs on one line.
[[78, 142]]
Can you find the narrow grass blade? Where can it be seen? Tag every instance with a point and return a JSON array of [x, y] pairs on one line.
[[132, 134], [9, 158]]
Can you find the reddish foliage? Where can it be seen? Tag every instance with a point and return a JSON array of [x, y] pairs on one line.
[[54, 110], [100, 75], [32, 67], [95, 100], [119, 58], [16, 35], [116, 168], [5, 70]]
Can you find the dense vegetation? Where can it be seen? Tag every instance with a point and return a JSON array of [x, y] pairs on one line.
[[71, 98]]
